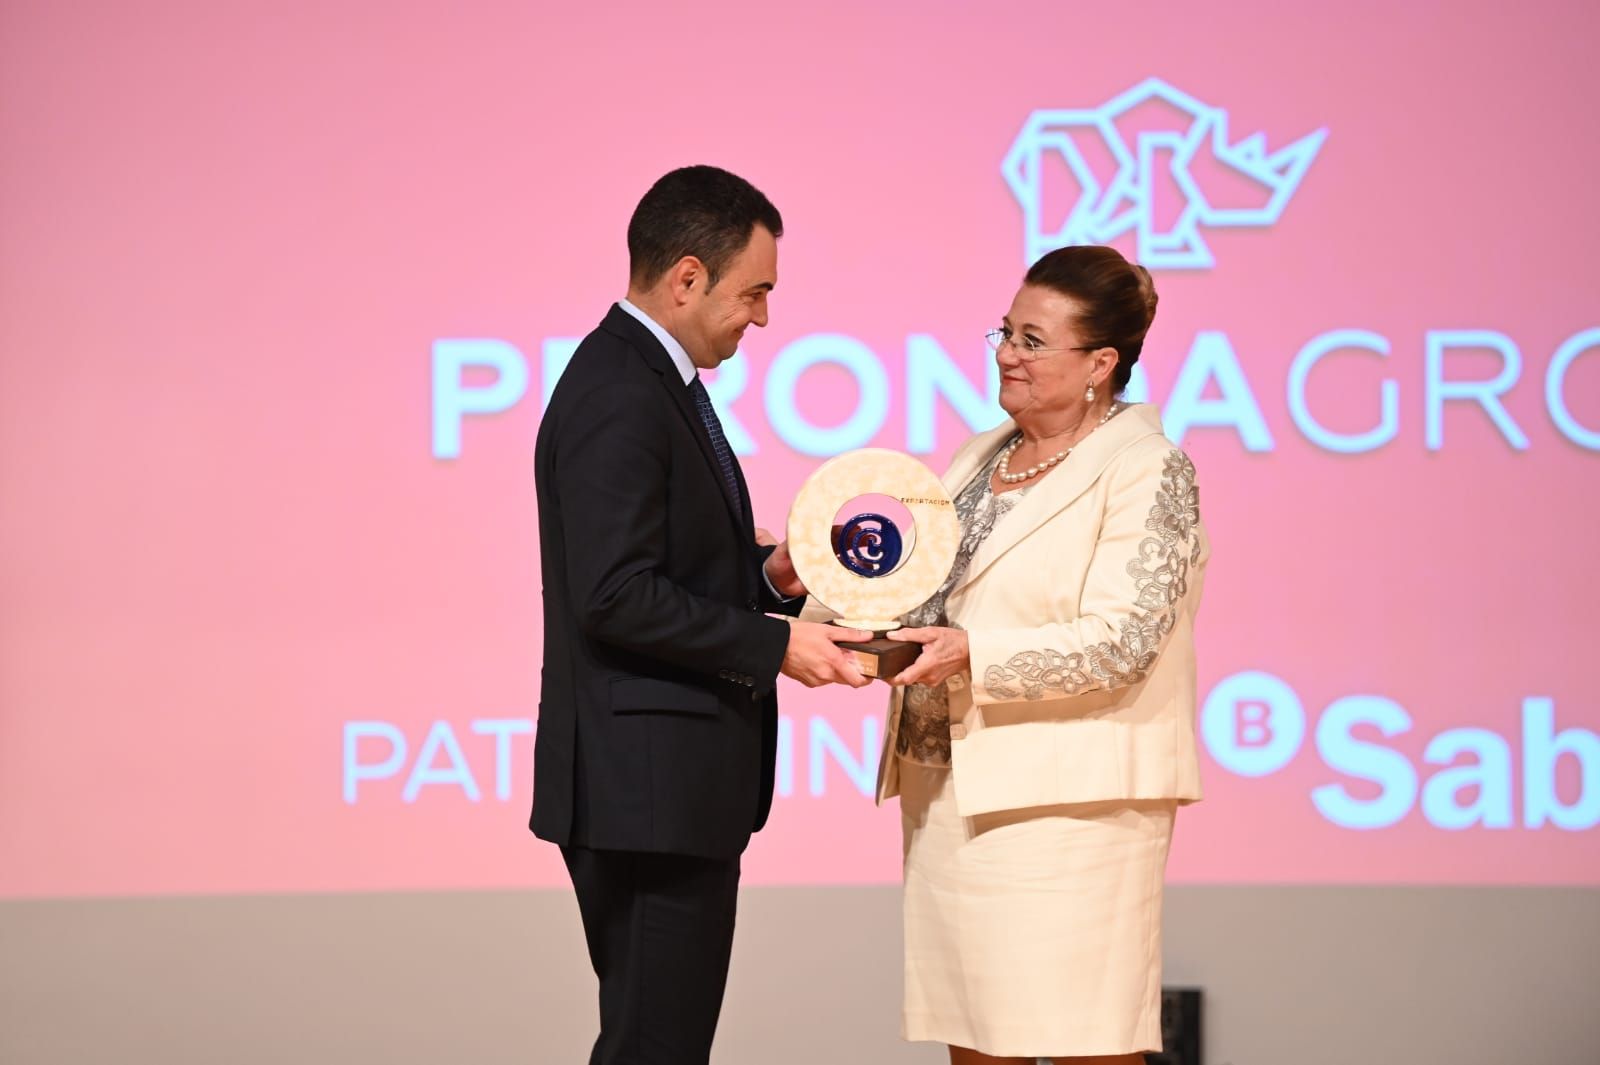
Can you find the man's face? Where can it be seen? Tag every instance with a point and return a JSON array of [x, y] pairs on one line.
[[717, 317]]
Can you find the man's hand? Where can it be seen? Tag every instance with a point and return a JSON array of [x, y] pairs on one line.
[[780, 567], [814, 657], [945, 652]]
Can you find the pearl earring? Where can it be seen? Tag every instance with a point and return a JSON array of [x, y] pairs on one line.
[[1089, 392]]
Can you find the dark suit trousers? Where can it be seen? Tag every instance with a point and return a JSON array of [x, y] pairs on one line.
[[660, 929]]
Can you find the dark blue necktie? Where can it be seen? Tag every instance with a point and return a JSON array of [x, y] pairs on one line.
[[719, 443]]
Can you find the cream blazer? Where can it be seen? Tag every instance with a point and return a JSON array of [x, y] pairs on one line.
[[1080, 610]]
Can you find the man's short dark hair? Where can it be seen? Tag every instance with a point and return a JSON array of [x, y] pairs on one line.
[[701, 211]]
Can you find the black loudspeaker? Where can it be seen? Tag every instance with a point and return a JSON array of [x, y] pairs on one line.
[[1180, 1028]]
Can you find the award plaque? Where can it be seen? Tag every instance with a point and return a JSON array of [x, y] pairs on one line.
[[873, 534]]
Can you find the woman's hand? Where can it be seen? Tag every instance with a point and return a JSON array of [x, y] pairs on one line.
[[944, 654]]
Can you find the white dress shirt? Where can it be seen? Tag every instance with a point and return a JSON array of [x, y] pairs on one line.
[[675, 352]]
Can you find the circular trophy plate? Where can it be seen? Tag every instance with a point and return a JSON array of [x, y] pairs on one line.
[[853, 572]]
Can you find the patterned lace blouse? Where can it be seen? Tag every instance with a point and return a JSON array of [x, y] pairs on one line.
[[924, 732]]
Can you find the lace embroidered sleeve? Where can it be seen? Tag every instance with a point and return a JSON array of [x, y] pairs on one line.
[[1137, 579]]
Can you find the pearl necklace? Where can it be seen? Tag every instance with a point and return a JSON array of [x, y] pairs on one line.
[[1033, 471]]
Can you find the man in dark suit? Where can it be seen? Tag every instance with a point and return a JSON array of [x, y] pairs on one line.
[[658, 720]]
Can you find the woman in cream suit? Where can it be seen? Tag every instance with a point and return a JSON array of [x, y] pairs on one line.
[[1043, 740]]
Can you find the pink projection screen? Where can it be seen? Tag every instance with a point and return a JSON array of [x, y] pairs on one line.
[[284, 290]]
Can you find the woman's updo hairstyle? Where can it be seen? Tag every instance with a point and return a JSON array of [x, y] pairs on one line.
[[1117, 297]]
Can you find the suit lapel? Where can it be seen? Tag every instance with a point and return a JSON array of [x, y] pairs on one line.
[[680, 396], [629, 328], [1061, 487], [971, 459]]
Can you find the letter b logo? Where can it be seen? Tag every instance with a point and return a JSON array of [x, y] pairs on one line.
[[1251, 728], [1253, 724]]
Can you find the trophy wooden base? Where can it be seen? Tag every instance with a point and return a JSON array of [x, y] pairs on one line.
[[883, 658]]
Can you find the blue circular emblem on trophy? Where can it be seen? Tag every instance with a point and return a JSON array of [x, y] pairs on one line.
[[872, 534], [868, 544]]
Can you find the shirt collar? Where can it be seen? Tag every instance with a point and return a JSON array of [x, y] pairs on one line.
[[675, 352]]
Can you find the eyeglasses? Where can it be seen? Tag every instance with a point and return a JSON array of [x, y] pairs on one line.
[[1027, 348]]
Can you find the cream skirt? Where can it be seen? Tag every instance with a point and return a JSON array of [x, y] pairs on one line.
[[1032, 932]]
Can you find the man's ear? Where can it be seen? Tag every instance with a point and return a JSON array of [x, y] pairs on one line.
[[685, 276]]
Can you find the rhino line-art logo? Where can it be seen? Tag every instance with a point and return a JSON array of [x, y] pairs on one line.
[[1104, 211]]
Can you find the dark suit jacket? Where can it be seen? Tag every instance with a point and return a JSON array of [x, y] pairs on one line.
[[657, 715]]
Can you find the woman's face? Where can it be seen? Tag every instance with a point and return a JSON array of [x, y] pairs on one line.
[[1044, 370]]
